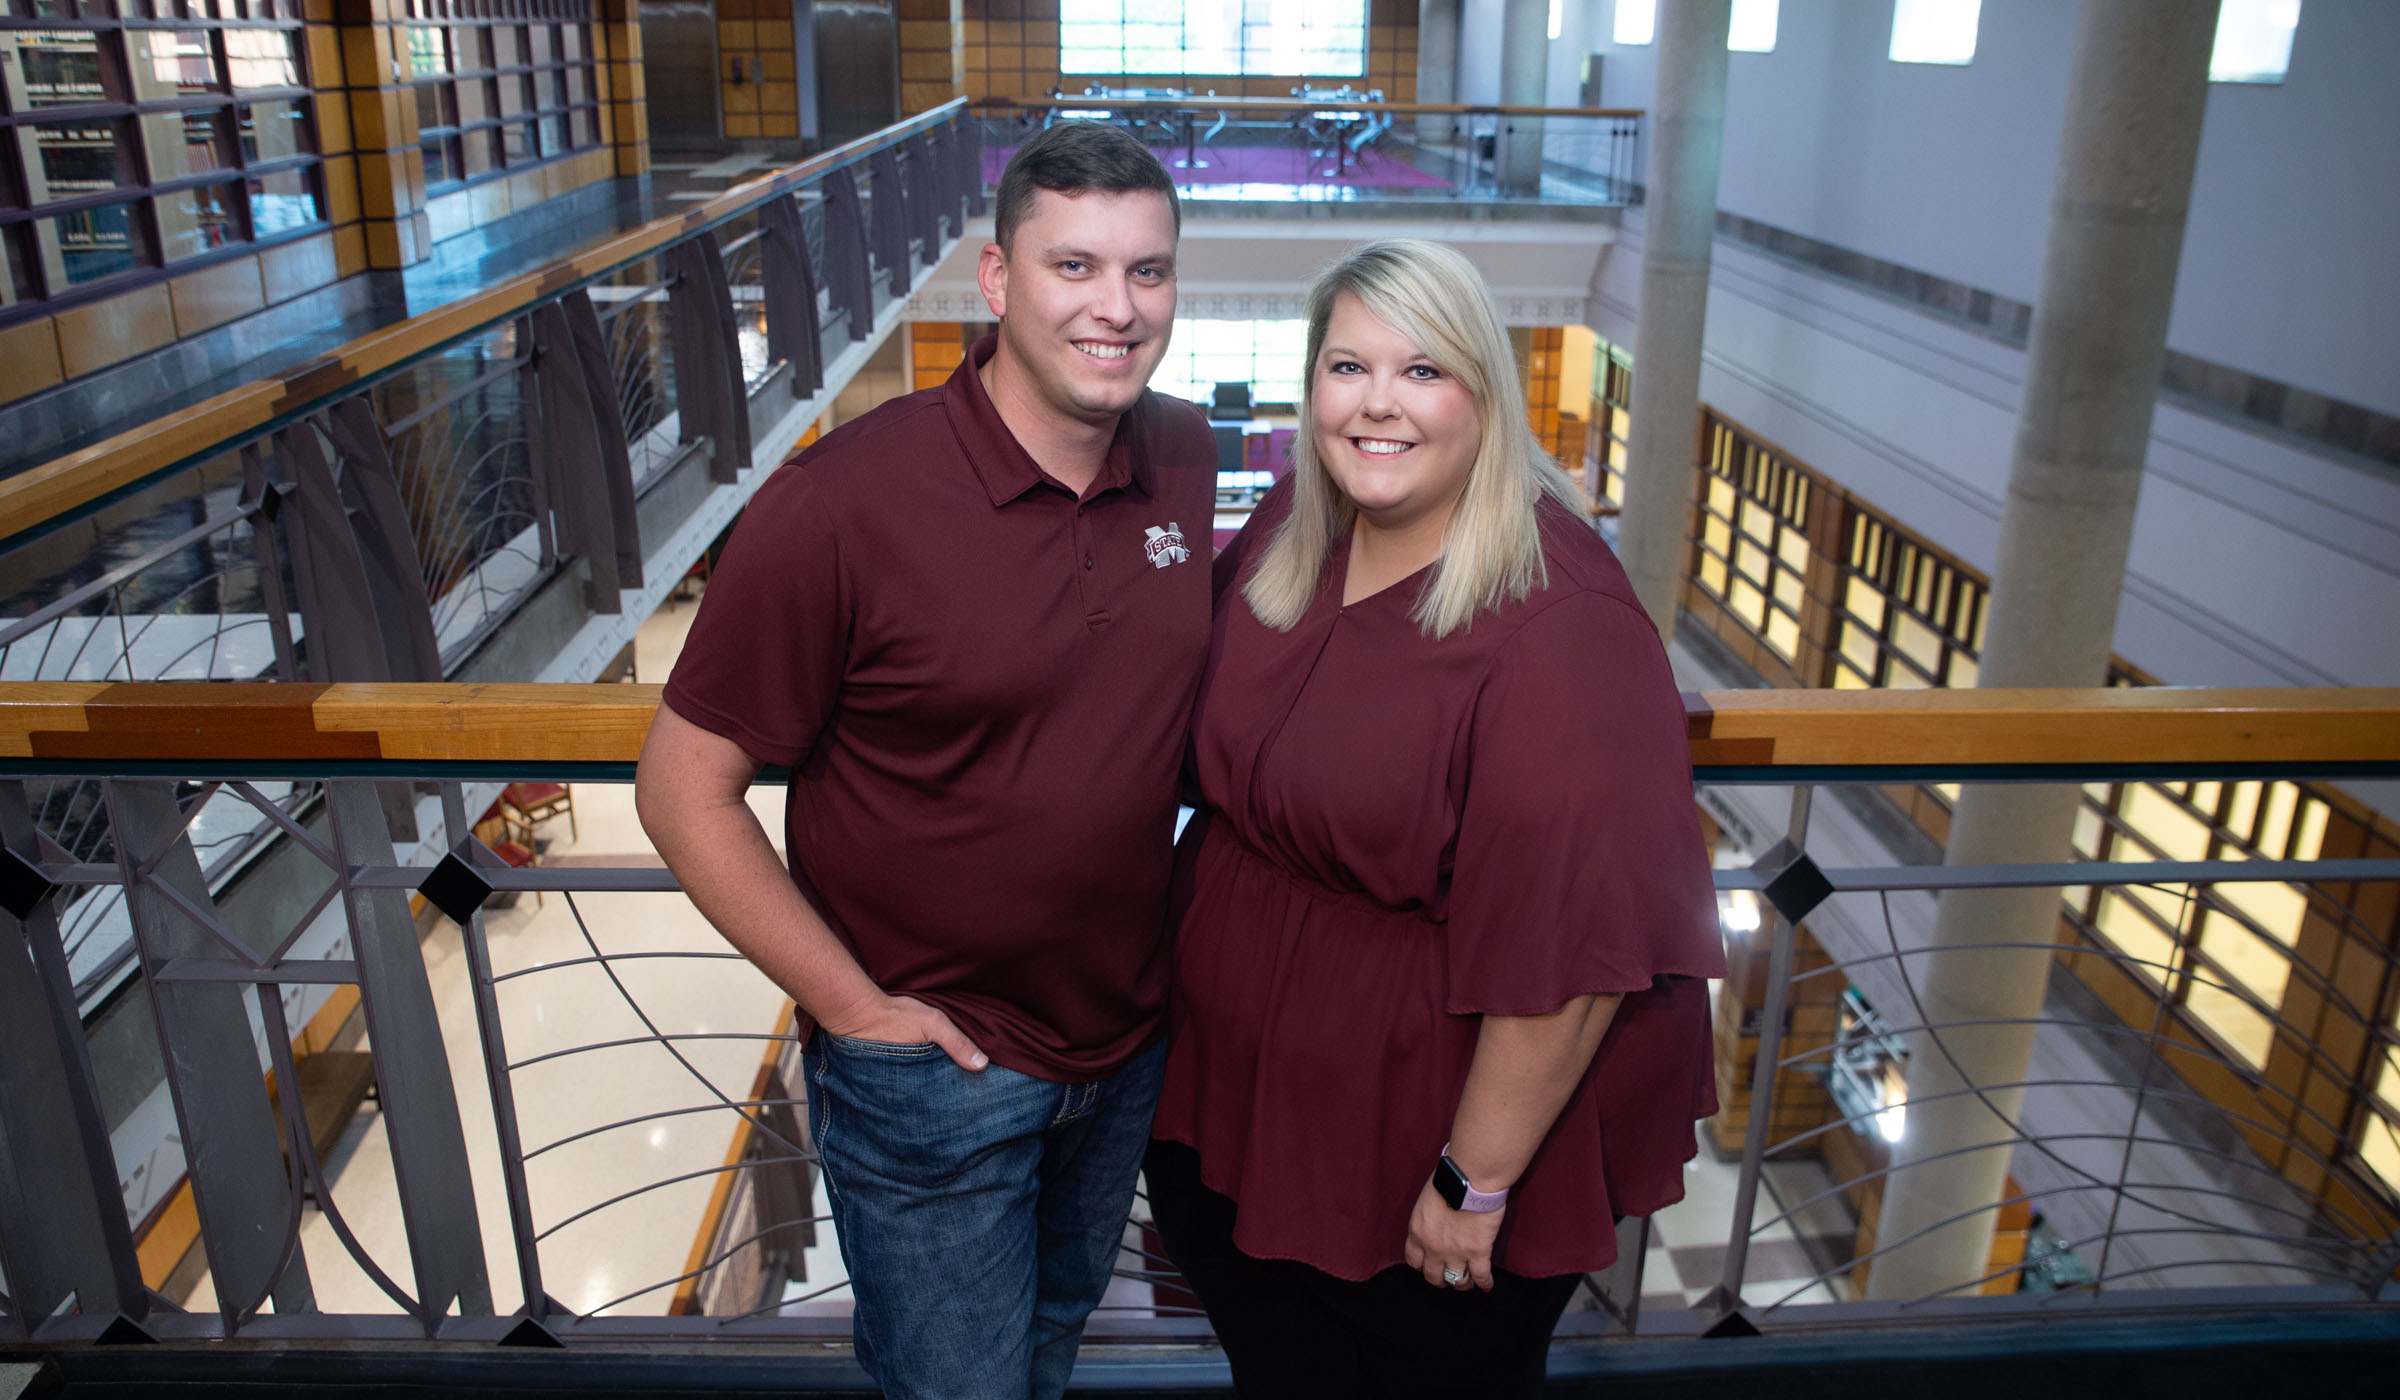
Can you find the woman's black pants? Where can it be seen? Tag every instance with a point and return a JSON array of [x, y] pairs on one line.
[[1293, 1331]]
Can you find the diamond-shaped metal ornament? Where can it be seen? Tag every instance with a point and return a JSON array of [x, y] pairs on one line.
[[23, 886], [124, 1332], [455, 888], [1733, 1324], [1796, 886], [529, 1333]]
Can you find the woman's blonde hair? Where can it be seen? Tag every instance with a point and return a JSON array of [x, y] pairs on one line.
[[1492, 551]]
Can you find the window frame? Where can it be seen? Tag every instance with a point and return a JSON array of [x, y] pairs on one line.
[[39, 278], [1244, 47], [520, 98]]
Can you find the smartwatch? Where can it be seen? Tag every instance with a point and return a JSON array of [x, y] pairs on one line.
[[1454, 1187]]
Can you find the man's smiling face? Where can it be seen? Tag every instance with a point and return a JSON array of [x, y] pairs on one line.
[[1086, 297]]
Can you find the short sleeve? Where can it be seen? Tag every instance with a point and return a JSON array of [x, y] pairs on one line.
[[1579, 867], [763, 664]]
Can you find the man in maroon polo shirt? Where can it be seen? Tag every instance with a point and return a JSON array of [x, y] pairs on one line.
[[970, 623]]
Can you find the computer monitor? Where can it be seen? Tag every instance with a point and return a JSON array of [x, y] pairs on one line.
[[1232, 401]]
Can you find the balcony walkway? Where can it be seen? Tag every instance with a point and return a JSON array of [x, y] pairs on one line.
[[104, 404]]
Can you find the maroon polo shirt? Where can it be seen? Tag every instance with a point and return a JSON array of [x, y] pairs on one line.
[[981, 685]]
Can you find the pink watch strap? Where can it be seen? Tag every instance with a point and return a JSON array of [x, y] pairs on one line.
[[1476, 1202]]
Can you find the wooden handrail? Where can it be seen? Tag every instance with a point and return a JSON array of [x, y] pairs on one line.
[[53, 723], [1285, 104], [34, 497]]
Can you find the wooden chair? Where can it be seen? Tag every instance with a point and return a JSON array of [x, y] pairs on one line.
[[510, 835], [519, 856], [534, 803]]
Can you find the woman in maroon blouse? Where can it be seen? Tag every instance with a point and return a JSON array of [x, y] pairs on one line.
[[1439, 1019]]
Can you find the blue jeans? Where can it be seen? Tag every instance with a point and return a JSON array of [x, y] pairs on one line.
[[979, 1214]]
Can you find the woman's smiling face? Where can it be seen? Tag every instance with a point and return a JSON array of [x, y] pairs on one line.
[[1396, 432]]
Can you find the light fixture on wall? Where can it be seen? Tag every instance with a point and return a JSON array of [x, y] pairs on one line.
[[1935, 31]]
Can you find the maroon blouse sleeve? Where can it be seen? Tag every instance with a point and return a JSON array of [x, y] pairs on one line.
[[764, 661], [1580, 866]]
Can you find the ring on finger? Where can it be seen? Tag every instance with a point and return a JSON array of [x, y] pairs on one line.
[[1453, 1277]]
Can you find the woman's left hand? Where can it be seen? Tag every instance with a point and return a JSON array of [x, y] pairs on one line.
[[1441, 1239]]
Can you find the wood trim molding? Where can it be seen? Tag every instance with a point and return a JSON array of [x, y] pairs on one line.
[[541, 724]]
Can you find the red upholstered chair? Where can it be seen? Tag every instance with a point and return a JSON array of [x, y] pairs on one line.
[[533, 803], [518, 856]]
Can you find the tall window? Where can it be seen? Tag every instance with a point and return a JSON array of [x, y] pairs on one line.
[[136, 137], [2379, 1143], [1752, 31], [511, 89], [1265, 355], [1935, 31], [2254, 41], [1258, 38]]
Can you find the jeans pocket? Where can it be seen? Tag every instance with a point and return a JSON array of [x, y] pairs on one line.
[[887, 1049]]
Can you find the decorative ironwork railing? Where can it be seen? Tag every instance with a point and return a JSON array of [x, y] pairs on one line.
[[437, 470], [1813, 587], [382, 513], [2160, 1195]]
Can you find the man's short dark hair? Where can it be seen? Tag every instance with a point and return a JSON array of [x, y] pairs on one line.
[[1070, 156]]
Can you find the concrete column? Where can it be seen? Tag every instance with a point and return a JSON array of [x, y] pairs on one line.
[[1679, 224], [2135, 97], [1437, 67], [1524, 82]]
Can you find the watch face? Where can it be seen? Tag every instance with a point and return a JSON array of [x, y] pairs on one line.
[[1451, 1185]]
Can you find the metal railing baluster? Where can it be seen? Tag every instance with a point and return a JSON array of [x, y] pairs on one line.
[[63, 1232], [1727, 1298], [412, 1074], [527, 1240], [248, 1201]]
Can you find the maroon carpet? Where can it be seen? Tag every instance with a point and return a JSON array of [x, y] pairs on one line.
[[1266, 165]]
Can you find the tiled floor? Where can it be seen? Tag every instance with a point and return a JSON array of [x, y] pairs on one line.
[[1686, 1258], [618, 1250]]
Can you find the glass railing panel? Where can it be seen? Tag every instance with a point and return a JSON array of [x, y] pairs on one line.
[[1347, 147]]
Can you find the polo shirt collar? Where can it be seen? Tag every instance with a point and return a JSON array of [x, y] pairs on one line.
[[1006, 469]]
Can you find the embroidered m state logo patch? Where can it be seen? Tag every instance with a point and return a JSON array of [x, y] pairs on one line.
[[1164, 547]]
